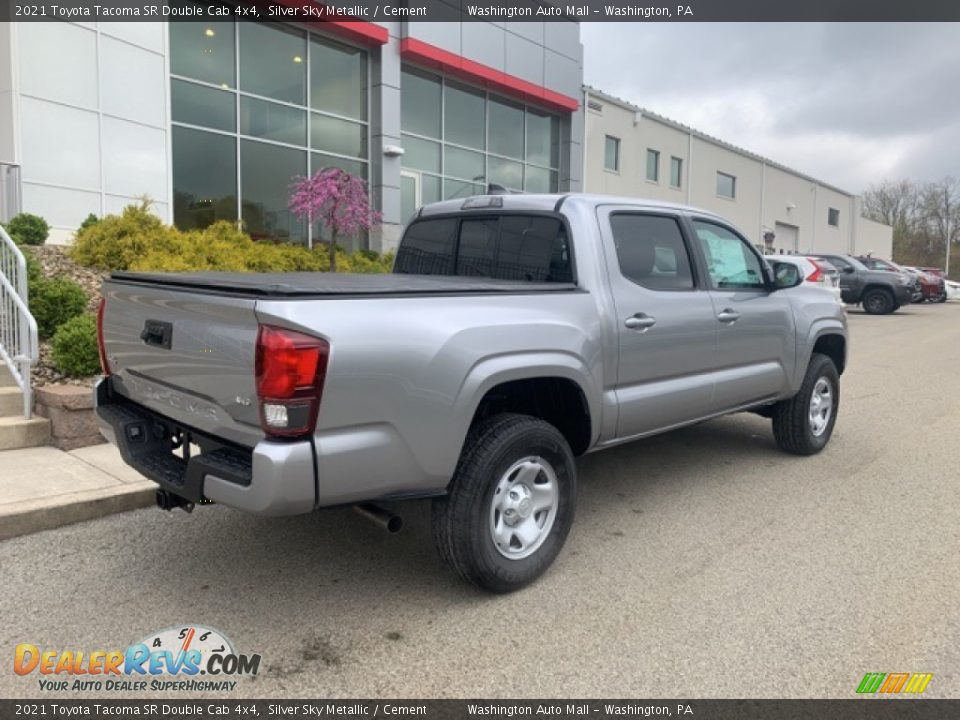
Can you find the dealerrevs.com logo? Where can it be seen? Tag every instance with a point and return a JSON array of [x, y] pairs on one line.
[[183, 658]]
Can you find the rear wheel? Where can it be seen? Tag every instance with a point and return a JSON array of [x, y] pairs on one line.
[[510, 504], [878, 302], [942, 297], [803, 424]]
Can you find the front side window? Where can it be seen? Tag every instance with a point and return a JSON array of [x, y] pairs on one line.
[[731, 263], [532, 248], [726, 185], [651, 251], [653, 165], [611, 153]]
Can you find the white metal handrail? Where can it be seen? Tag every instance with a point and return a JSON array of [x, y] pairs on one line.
[[19, 344]]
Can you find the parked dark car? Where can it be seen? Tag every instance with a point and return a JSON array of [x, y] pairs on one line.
[[879, 292], [927, 285]]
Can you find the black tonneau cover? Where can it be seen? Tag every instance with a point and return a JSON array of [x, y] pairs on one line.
[[321, 284]]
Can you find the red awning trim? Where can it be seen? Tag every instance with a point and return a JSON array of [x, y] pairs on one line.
[[448, 62]]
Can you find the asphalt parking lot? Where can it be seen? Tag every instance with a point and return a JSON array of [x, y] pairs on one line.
[[703, 563]]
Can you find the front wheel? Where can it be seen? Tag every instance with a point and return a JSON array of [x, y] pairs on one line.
[[510, 504], [878, 302], [803, 424]]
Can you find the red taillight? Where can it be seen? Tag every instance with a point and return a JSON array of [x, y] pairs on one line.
[[291, 368], [817, 275], [101, 347]]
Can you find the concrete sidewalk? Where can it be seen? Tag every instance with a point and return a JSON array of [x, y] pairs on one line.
[[43, 488]]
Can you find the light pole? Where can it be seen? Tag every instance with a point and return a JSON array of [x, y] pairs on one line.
[[946, 269]]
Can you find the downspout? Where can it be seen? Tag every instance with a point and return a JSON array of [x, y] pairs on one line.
[[813, 236], [763, 193], [583, 145], [689, 163]]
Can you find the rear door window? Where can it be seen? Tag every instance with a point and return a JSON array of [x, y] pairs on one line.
[[428, 248], [651, 251]]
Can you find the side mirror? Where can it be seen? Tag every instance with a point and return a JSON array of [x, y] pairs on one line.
[[848, 270], [786, 275]]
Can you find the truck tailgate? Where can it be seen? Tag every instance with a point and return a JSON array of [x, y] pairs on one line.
[[186, 355]]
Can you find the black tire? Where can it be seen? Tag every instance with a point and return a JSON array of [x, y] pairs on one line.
[[942, 297], [791, 418], [878, 302], [462, 519]]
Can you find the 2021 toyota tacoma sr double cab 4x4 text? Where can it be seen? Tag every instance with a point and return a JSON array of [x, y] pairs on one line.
[[516, 333]]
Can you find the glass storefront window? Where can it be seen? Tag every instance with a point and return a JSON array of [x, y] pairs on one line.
[[203, 51], [421, 154], [338, 78], [272, 121], [484, 139], [506, 129], [204, 178], [318, 161], [265, 175], [539, 180], [339, 136], [464, 117], [543, 139], [204, 106], [464, 164], [420, 103], [507, 173], [273, 62]]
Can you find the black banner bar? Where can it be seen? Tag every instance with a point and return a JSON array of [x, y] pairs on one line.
[[861, 708], [485, 10]]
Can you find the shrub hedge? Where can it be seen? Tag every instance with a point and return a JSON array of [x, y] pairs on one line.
[[74, 347], [54, 302], [138, 240], [27, 229]]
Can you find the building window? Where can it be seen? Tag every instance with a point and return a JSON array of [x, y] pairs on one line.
[[833, 217], [460, 139], [252, 106], [653, 165], [611, 153], [726, 185], [676, 172]]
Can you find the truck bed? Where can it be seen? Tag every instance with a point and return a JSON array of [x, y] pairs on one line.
[[321, 284]]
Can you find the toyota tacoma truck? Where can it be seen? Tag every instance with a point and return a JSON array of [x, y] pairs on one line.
[[516, 333]]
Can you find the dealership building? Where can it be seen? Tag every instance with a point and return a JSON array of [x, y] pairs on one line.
[[212, 120], [632, 151]]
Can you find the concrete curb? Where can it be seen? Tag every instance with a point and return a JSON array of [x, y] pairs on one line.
[[74, 508]]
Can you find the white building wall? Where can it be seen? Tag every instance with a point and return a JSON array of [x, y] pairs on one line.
[[875, 239], [90, 129], [769, 197]]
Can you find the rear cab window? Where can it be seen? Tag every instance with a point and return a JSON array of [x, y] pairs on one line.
[[526, 247]]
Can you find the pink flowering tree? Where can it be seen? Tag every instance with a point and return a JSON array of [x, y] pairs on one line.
[[338, 200]]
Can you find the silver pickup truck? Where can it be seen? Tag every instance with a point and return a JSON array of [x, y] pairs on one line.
[[516, 333]]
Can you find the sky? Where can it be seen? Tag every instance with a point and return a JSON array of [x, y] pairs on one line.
[[851, 104]]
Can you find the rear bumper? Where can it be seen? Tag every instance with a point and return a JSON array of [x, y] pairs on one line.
[[272, 478]]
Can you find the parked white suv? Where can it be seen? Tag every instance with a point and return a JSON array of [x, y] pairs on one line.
[[816, 272]]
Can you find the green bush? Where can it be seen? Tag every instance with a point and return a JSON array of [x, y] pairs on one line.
[[74, 347], [34, 271], [54, 302], [88, 222], [27, 229], [137, 240]]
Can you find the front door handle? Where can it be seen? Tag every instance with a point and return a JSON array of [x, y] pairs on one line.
[[727, 315], [640, 321]]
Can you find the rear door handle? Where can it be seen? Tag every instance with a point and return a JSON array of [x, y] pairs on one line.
[[640, 321], [728, 315]]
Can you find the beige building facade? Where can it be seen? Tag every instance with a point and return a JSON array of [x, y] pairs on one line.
[[633, 152]]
